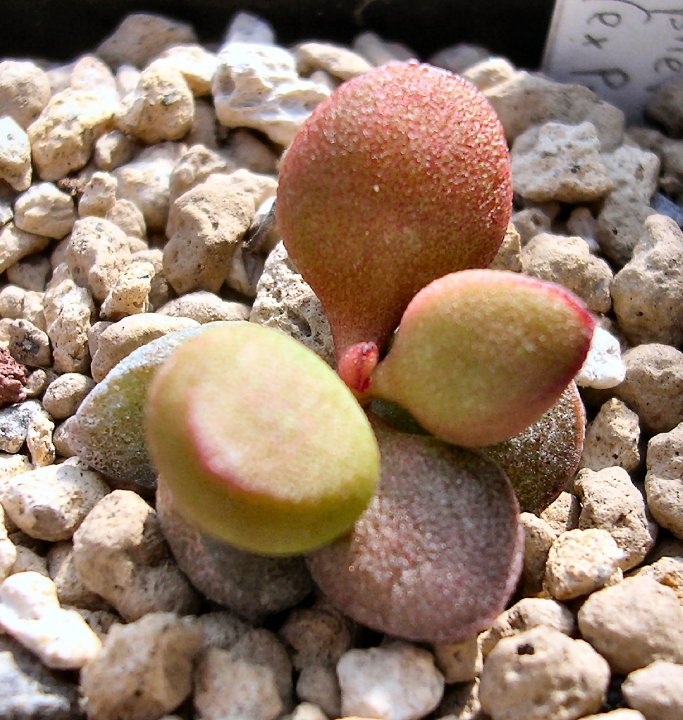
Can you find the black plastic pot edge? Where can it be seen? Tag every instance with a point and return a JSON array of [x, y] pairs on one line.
[[62, 29]]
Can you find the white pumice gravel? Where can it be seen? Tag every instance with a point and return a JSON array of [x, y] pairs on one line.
[[136, 190]]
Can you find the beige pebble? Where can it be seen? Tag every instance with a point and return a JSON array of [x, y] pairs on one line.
[[633, 623], [160, 108], [15, 155], [63, 440], [610, 501], [204, 227], [8, 551], [581, 561], [509, 253], [120, 554], [248, 151], [145, 181], [15, 303], [204, 306], [66, 393], [45, 210], [319, 685], [27, 343], [653, 386], [120, 339], [30, 612], [50, 502], [648, 291], [149, 682], [228, 688], [195, 63], [524, 615], [99, 195], [531, 221], [142, 36], [340, 62], [665, 106], [538, 537], [656, 690], [459, 57], [194, 167], [113, 149], [489, 72], [128, 217], [39, 442], [612, 438], [70, 588], [286, 302], [69, 312], [24, 91], [396, 682], [556, 161], [16, 244], [130, 293], [666, 571], [563, 513], [63, 135], [377, 51], [568, 261], [30, 274], [526, 99], [29, 561], [664, 479], [459, 662], [540, 674]]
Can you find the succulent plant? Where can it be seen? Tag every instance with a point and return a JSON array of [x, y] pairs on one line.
[[401, 176], [393, 199]]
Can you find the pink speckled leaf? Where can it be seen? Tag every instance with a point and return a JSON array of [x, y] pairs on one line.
[[482, 354], [437, 553], [401, 176]]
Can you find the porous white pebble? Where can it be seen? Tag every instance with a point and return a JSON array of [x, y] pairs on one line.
[[15, 154], [396, 682], [656, 690], [39, 439], [113, 149], [603, 366], [581, 561], [286, 302], [8, 552], [15, 302], [26, 343], [195, 63], [144, 669], [664, 479], [610, 501], [648, 291], [257, 86], [538, 537], [563, 513], [130, 293], [634, 623], [50, 502], [204, 306], [120, 554], [45, 210], [99, 195], [68, 584], [459, 662], [340, 62], [30, 274], [612, 438], [31, 614], [540, 674]]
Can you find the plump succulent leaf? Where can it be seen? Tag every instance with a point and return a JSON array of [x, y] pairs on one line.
[[482, 354], [437, 553], [401, 176], [541, 460], [259, 441], [251, 585], [108, 432]]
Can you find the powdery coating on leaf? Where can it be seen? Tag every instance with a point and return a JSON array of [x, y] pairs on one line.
[[437, 553], [482, 354], [540, 461], [401, 176], [251, 585], [108, 430]]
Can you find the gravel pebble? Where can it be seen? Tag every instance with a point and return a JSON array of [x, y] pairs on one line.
[[541, 674], [65, 393], [319, 684], [634, 623], [655, 690], [459, 662], [612, 438], [120, 554], [152, 680], [30, 613], [664, 479], [45, 210], [603, 367], [397, 682], [24, 90]]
